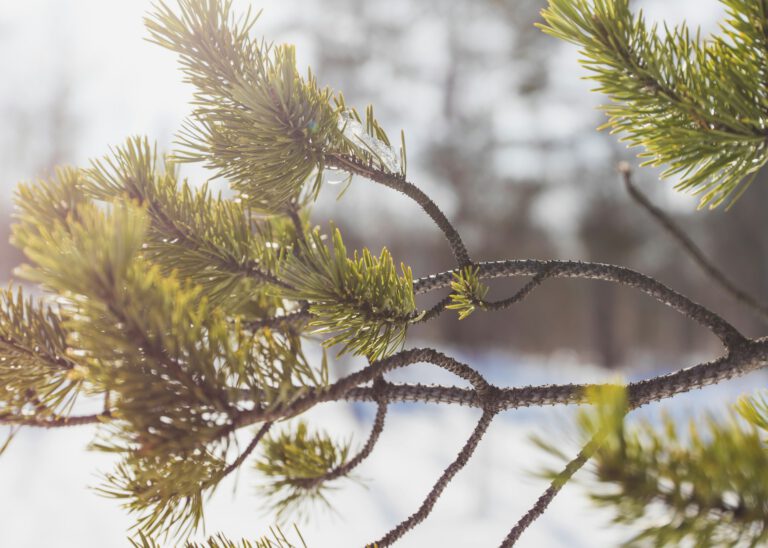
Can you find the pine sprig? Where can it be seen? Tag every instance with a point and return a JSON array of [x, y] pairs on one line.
[[468, 292], [754, 410], [165, 492], [38, 375], [257, 121], [203, 238], [361, 301], [295, 463], [707, 486], [696, 107], [176, 366]]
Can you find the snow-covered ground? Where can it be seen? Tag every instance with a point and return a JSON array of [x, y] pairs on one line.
[[45, 501]]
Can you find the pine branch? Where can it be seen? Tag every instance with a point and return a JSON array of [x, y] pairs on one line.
[[203, 237], [55, 422], [361, 301], [37, 368], [696, 106], [246, 452], [257, 121]]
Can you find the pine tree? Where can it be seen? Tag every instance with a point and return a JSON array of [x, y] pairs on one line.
[[187, 313]]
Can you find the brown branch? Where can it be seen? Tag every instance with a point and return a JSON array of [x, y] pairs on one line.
[[726, 332], [298, 227], [694, 251], [491, 306], [244, 455], [524, 291], [373, 438], [751, 357], [398, 183], [337, 390], [433, 312]]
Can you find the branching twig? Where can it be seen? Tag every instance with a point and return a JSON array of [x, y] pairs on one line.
[[726, 332], [691, 248], [486, 393]]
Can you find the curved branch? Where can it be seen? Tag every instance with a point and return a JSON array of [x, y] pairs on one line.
[[337, 390], [726, 332], [491, 306], [396, 182], [433, 312], [346, 468], [298, 317], [521, 294], [691, 248]]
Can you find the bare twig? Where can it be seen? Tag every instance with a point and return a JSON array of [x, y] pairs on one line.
[[524, 291], [491, 306], [695, 252], [301, 316], [373, 438], [554, 488], [449, 473], [248, 450], [433, 312], [395, 182], [486, 392]]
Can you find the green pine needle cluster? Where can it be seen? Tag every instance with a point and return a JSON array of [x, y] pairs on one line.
[[38, 376], [697, 107], [707, 486], [295, 462], [276, 539], [361, 301], [468, 292], [174, 364], [212, 240], [256, 121]]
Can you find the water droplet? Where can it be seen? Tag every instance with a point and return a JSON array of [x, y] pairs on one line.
[[355, 132]]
